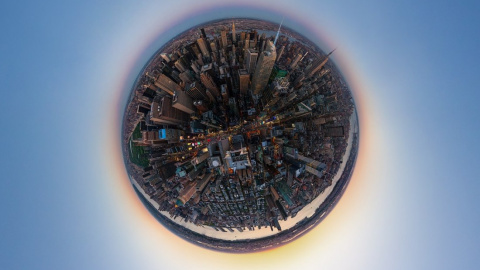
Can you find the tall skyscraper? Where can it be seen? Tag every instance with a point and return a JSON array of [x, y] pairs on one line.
[[203, 32], [224, 91], [234, 35], [264, 68], [213, 46], [251, 60], [295, 61], [167, 84], [244, 79], [179, 65], [224, 39], [211, 98], [317, 65], [196, 91], [183, 102], [201, 105], [203, 47], [186, 77], [207, 80], [280, 53], [162, 112]]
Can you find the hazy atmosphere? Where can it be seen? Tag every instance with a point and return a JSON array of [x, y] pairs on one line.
[[66, 71]]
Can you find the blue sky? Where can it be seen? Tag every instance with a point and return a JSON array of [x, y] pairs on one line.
[[412, 203]]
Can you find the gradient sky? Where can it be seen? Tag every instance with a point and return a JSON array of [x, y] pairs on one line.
[[412, 202]]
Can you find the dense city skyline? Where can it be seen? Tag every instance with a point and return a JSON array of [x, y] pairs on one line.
[[225, 137], [67, 69]]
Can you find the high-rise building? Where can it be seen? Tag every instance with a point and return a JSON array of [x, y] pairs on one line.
[[200, 105], [203, 47], [213, 46], [207, 80], [179, 65], [162, 112], [211, 98], [313, 166], [186, 77], [264, 68], [279, 55], [195, 68], [183, 102], [167, 84], [234, 35], [295, 61], [187, 193], [317, 65], [224, 39], [165, 57], [244, 79], [196, 91], [202, 30], [251, 60], [224, 91]]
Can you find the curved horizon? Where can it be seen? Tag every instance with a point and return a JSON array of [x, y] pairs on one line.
[[127, 87]]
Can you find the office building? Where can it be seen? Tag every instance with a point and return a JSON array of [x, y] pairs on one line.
[[251, 60], [196, 91], [162, 112], [167, 84], [203, 47], [224, 91], [187, 193], [224, 39], [207, 80], [279, 55], [244, 80], [317, 65], [183, 102], [263, 69], [295, 61]]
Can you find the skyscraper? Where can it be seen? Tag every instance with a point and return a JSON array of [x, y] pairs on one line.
[[224, 91], [203, 32], [251, 60], [317, 65], [244, 79], [167, 84], [264, 68], [183, 102], [224, 39], [196, 91], [295, 61], [280, 53], [203, 47], [162, 112], [234, 35], [207, 80]]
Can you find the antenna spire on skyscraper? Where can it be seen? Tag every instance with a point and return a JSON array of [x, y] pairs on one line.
[[278, 32], [331, 52]]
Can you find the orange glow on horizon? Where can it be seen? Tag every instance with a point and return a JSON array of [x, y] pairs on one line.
[[123, 191]]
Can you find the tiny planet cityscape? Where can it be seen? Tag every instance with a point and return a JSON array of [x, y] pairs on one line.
[[240, 135]]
